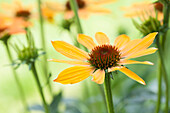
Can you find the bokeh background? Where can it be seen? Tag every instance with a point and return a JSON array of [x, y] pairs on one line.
[[85, 97]]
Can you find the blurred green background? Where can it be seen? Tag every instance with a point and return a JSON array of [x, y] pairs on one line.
[[129, 96]]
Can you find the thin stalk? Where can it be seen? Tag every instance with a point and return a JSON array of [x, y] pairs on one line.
[[159, 89], [43, 45], [39, 87], [74, 7], [160, 51], [21, 92], [108, 93], [166, 11]]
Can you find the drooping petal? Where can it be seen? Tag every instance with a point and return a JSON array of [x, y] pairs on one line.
[[74, 74], [86, 41], [70, 51], [132, 75], [142, 45], [121, 41], [102, 38], [71, 62], [124, 62], [114, 68], [98, 76], [143, 52]]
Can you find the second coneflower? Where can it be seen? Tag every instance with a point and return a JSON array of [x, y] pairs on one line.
[[149, 14], [103, 56], [18, 10], [85, 8]]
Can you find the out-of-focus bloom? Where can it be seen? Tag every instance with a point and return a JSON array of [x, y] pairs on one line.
[[103, 56], [85, 8], [150, 14], [10, 26], [144, 10], [18, 10]]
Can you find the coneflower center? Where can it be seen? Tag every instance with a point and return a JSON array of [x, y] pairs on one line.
[[81, 4], [104, 56], [158, 6], [2, 29], [23, 13]]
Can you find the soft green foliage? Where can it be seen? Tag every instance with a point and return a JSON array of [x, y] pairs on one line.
[[87, 96]]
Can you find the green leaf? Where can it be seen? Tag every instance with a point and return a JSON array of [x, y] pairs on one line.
[[54, 104]]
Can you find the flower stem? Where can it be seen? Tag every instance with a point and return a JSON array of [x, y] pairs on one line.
[[108, 93], [74, 7], [43, 45], [22, 95], [160, 51], [166, 11], [159, 89], [39, 87]]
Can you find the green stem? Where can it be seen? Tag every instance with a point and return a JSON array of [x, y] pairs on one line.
[[159, 89], [43, 45], [166, 11], [108, 93], [74, 7], [39, 87], [165, 75], [21, 92]]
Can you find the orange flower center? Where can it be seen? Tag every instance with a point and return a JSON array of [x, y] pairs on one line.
[[23, 13], [104, 56], [3, 29], [158, 6], [81, 4]]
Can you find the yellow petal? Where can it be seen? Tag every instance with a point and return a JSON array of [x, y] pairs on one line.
[[102, 38], [121, 41], [124, 62], [74, 74], [86, 41], [98, 76], [142, 45], [70, 51], [132, 75], [97, 10], [142, 53], [99, 2], [114, 68], [129, 46], [70, 62]]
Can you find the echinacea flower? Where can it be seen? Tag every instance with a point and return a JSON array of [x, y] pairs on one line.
[[103, 56], [150, 14], [10, 26], [85, 8], [144, 10], [18, 10]]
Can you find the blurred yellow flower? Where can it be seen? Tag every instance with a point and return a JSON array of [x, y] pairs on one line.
[[86, 7], [18, 10], [144, 10], [103, 55]]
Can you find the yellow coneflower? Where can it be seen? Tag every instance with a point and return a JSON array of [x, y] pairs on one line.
[[103, 56], [85, 8]]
